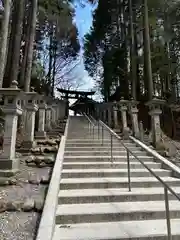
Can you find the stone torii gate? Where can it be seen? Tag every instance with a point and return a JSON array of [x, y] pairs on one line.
[[72, 94]]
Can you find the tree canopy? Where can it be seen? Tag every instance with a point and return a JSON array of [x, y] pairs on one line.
[[115, 48]]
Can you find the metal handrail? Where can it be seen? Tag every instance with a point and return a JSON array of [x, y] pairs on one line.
[[133, 154], [157, 156], [90, 124], [88, 118]]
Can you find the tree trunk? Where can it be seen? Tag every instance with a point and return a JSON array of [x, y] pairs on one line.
[[25, 50], [132, 53], [4, 38], [147, 52], [49, 75], [54, 68], [30, 46], [12, 66]]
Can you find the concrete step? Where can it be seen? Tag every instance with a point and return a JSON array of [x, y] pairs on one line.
[[97, 144], [100, 153], [120, 165], [96, 141], [100, 148], [90, 140], [85, 173], [104, 158], [136, 182], [113, 195], [127, 230], [87, 135], [115, 211]]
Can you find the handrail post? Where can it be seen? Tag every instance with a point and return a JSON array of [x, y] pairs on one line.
[[93, 131], [168, 220], [102, 135], [129, 171], [111, 148]]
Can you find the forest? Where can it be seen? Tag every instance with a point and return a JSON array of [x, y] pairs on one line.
[[39, 40], [133, 48]]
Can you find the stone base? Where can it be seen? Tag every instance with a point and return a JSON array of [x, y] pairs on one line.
[[53, 134], [40, 135], [8, 173], [47, 129], [9, 165], [117, 130], [126, 133], [26, 146]]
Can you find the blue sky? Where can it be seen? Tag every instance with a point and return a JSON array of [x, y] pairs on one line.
[[83, 20]]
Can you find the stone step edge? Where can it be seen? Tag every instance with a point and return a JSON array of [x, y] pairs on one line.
[[93, 192], [135, 230], [115, 207]]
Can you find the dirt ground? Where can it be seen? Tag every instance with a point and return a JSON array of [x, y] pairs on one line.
[[19, 225]]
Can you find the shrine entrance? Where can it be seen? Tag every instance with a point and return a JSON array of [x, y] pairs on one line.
[[83, 101]]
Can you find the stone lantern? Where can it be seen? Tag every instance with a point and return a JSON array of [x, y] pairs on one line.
[[31, 109], [12, 109], [41, 134]]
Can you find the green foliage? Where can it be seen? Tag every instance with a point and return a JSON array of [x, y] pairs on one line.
[[56, 38], [108, 46]]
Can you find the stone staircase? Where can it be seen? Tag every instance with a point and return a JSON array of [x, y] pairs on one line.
[[94, 202]]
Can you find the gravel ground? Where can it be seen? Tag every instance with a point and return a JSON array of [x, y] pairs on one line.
[[22, 225], [18, 225]]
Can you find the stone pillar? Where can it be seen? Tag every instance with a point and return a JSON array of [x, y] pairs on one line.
[[115, 112], [67, 108], [104, 106], [53, 112], [57, 112], [12, 110], [109, 111], [41, 134], [155, 112], [62, 109], [97, 111], [103, 112], [31, 109], [48, 117], [123, 108], [134, 117]]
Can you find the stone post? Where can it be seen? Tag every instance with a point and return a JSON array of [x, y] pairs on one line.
[[155, 112], [100, 112], [53, 112], [97, 111], [62, 109], [103, 114], [48, 117], [12, 110], [123, 108], [31, 109], [109, 111], [134, 117], [41, 134], [57, 111], [104, 109], [67, 108], [115, 111]]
